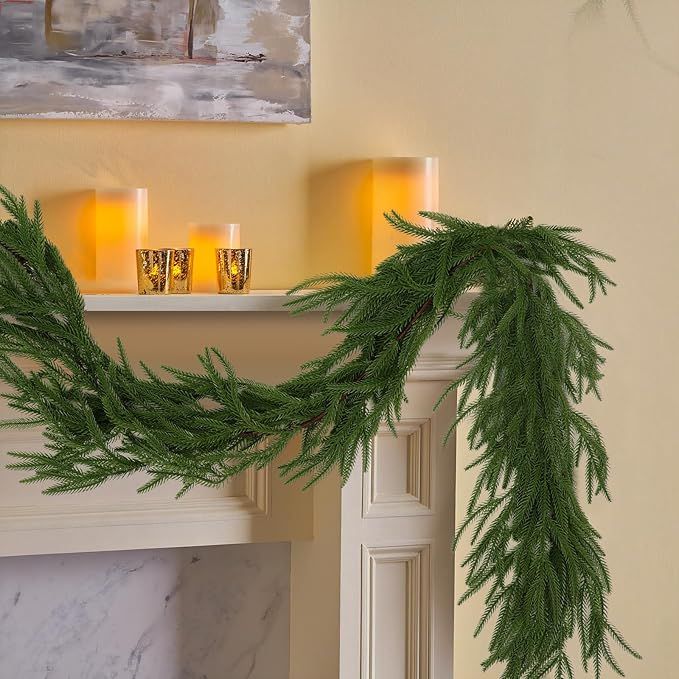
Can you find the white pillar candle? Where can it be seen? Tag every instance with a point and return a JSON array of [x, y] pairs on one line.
[[233, 236], [408, 186], [121, 229], [205, 239]]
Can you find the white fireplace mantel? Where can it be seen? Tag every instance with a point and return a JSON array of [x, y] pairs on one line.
[[256, 507], [371, 566], [256, 300]]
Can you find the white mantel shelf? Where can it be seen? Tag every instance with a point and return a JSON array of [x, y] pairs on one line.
[[256, 300]]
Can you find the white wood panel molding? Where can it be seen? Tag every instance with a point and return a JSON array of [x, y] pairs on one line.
[[437, 368], [257, 300], [398, 482], [254, 501], [397, 590], [254, 507], [385, 624], [401, 529]]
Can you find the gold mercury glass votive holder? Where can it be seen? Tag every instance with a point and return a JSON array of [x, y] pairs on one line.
[[234, 270], [154, 271], [181, 271]]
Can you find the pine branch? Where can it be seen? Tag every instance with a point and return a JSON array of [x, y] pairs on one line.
[[534, 555]]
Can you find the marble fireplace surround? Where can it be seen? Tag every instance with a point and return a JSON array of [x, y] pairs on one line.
[[257, 579], [189, 613]]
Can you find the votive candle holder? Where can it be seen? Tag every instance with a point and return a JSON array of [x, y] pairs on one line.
[[154, 271], [181, 271], [234, 270]]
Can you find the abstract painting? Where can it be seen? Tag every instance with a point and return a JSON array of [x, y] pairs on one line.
[[238, 60]]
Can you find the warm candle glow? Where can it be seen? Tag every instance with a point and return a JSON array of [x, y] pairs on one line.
[[205, 239], [181, 282], [154, 271], [234, 270], [407, 185], [121, 229]]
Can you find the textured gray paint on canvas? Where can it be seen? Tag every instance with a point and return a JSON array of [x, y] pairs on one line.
[[242, 60]]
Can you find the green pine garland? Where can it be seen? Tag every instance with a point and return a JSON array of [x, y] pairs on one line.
[[534, 553]]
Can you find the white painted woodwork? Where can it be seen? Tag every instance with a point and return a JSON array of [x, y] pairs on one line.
[[373, 593], [396, 593], [398, 482], [342, 618], [396, 608], [256, 300], [255, 507], [372, 572]]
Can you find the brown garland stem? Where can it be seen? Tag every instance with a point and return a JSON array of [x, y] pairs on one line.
[[425, 307], [421, 311]]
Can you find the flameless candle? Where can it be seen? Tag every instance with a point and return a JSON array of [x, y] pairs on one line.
[[205, 240], [408, 186], [121, 229]]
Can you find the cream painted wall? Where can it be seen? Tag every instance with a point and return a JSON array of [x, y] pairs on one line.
[[530, 111]]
